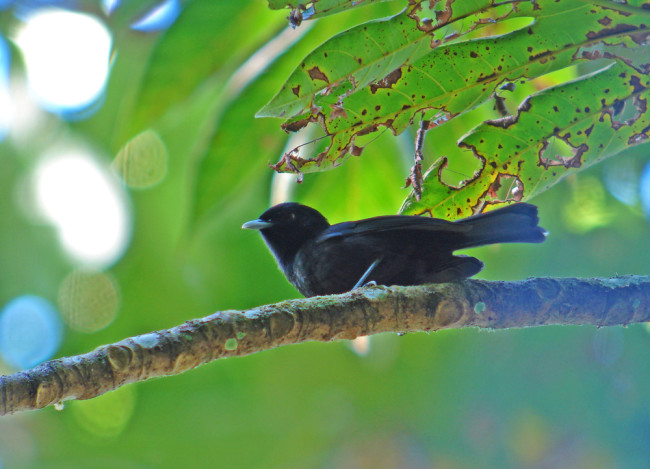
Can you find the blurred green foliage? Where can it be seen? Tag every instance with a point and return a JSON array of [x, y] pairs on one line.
[[571, 397]]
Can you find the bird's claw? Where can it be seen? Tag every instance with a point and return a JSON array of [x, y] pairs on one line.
[[371, 283]]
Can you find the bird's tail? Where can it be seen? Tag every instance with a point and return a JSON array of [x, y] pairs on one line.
[[517, 223]]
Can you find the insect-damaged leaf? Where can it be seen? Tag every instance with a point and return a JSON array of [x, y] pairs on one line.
[[352, 60], [562, 129], [453, 78]]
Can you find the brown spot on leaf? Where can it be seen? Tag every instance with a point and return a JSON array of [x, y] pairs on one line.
[[606, 21], [389, 125], [591, 54], [336, 112], [443, 16], [505, 122], [387, 82], [640, 38], [541, 56], [616, 30], [356, 151], [315, 73], [487, 77], [295, 126], [635, 82], [296, 90], [638, 138], [368, 130]]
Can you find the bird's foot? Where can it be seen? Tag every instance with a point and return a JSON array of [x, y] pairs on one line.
[[371, 283]]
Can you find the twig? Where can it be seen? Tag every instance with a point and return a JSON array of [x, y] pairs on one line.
[[415, 178]]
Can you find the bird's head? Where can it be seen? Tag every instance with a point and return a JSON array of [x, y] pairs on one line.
[[286, 227]]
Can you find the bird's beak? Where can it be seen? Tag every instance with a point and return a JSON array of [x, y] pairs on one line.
[[256, 225]]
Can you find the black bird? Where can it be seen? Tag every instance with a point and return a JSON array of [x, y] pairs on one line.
[[321, 259]]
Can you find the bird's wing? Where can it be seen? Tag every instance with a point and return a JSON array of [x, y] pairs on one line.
[[390, 223]]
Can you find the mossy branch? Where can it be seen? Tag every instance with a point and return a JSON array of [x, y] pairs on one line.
[[370, 310]]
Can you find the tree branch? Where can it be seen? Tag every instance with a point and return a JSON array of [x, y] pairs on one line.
[[370, 310]]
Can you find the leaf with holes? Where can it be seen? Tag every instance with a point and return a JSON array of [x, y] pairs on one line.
[[454, 78], [352, 60], [556, 132]]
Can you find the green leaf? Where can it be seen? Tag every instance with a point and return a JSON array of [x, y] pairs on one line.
[[209, 38], [352, 60], [554, 133], [142, 162], [458, 77]]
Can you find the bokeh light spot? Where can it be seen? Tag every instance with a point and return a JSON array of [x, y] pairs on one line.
[[159, 18], [6, 111], [621, 179], [361, 345], [67, 56], [644, 190], [88, 300], [109, 6], [30, 331], [608, 345], [18, 447], [587, 208], [87, 205], [529, 441], [142, 162], [105, 416]]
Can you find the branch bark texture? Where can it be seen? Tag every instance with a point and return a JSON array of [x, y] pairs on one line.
[[370, 310]]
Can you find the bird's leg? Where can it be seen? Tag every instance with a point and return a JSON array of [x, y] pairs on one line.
[[365, 275]]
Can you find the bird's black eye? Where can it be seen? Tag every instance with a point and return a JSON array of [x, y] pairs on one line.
[[292, 217]]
